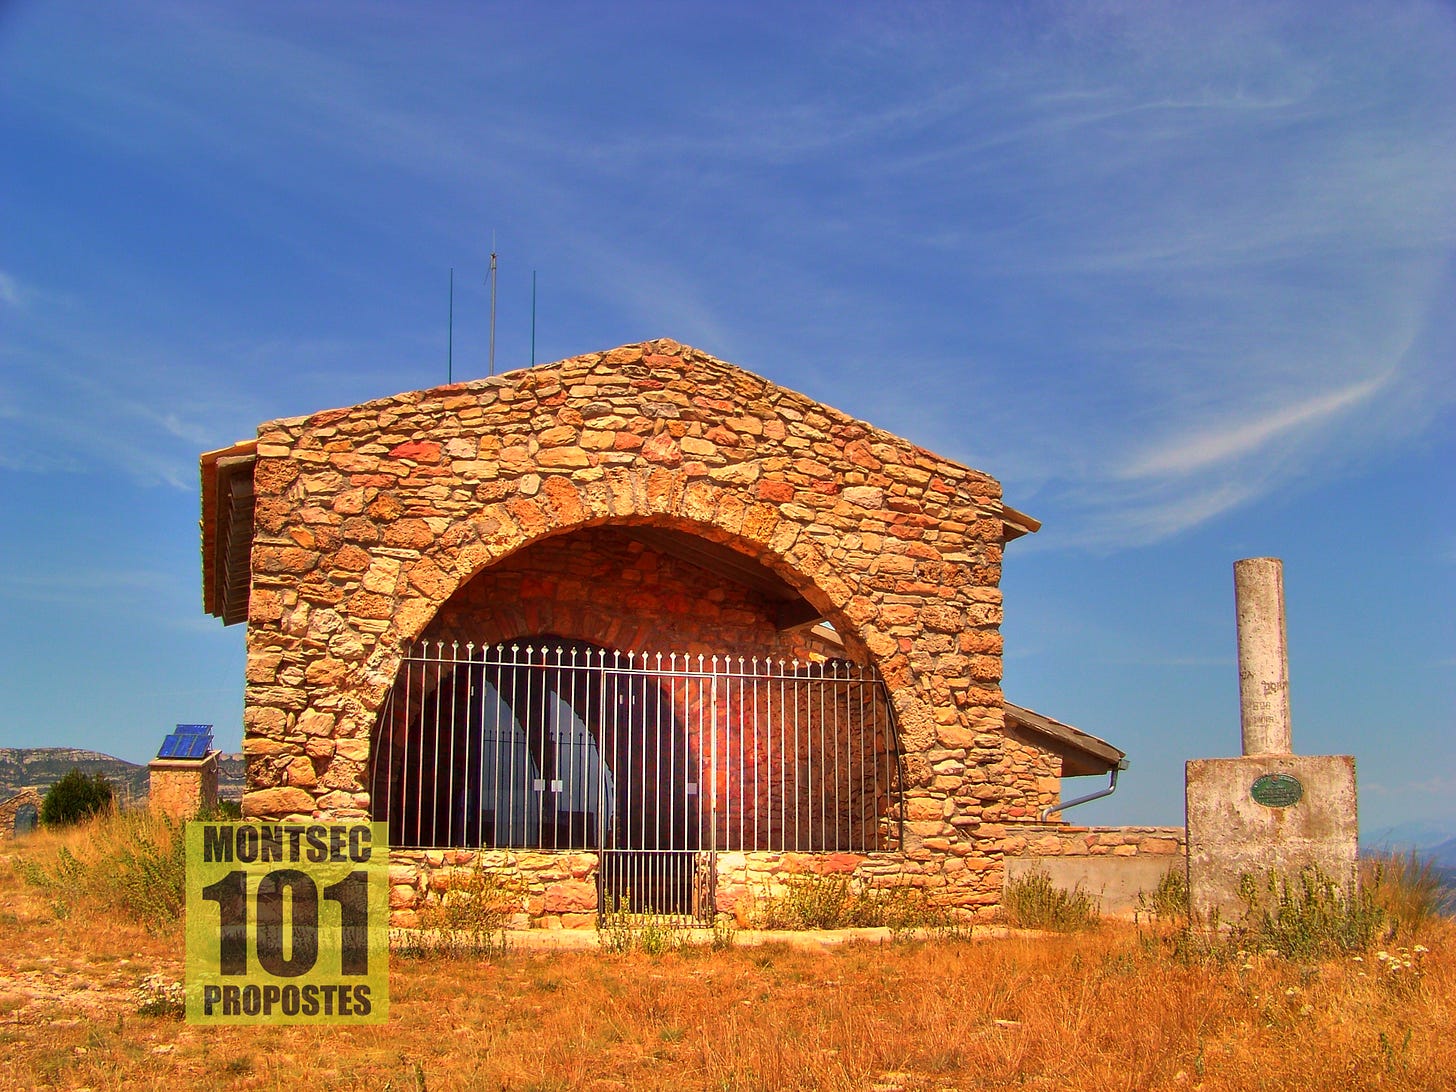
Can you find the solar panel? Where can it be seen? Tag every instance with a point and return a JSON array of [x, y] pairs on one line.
[[187, 741]]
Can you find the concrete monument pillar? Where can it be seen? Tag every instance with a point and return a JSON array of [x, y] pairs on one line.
[[1269, 810], [1263, 656]]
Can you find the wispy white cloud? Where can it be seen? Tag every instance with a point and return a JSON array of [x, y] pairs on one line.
[[1233, 440], [11, 294]]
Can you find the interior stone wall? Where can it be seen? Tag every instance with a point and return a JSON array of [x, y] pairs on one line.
[[370, 517], [602, 586]]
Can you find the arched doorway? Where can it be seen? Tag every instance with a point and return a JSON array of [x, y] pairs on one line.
[[27, 818], [653, 761]]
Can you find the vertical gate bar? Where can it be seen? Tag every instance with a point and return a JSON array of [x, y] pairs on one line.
[[480, 735], [409, 729], [782, 793], [575, 767], [497, 730], [631, 782], [798, 800], [603, 748], [712, 863], [852, 788], [559, 707], [420, 758], [737, 721], [441, 670], [823, 796], [763, 691], [657, 765], [839, 746], [516, 671], [455, 704], [396, 833], [858, 784], [673, 836], [875, 744], [584, 785], [548, 718]]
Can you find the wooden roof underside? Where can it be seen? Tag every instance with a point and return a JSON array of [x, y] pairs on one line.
[[1081, 753], [227, 531]]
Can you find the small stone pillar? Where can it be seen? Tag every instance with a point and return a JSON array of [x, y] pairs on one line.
[[180, 788], [1269, 810]]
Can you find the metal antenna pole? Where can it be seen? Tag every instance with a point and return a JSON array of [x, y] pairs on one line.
[[492, 303], [533, 318], [450, 338]]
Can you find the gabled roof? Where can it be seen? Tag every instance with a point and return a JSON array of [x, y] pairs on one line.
[[227, 527], [1080, 752]]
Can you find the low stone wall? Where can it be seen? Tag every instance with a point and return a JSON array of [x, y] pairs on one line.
[[558, 889], [555, 890], [1112, 863]]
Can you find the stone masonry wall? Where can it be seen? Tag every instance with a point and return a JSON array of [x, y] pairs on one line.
[[181, 789], [1034, 779], [1060, 840], [369, 518]]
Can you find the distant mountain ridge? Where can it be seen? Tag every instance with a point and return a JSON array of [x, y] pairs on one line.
[[1420, 835], [41, 767]]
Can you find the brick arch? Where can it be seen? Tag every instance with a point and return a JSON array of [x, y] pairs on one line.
[[636, 496]]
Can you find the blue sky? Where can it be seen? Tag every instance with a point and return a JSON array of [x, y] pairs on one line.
[[1181, 276]]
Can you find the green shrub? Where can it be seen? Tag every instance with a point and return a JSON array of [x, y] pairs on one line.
[[75, 797], [1307, 916], [813, 901], [837, 901], [470, 919], [620, 931], [1033, 902], [1168, 902], [149, 869]]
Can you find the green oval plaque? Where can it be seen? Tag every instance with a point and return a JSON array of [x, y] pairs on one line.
[[1276, 790]]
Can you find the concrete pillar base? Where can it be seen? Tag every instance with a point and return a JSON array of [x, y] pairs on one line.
[[1249, 815]]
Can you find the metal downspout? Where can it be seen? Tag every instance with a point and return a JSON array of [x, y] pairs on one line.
[[1098, 795]]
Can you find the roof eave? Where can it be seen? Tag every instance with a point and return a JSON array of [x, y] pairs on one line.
[[213, 468], [1088, 753]]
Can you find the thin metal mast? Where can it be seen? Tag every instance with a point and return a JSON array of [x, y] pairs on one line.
[[533, 318], [450, 338], [492, 303]]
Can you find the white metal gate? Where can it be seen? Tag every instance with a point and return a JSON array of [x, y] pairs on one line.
[[655, 761]]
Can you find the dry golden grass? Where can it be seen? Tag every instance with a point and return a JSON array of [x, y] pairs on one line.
[[1100, 1010]]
